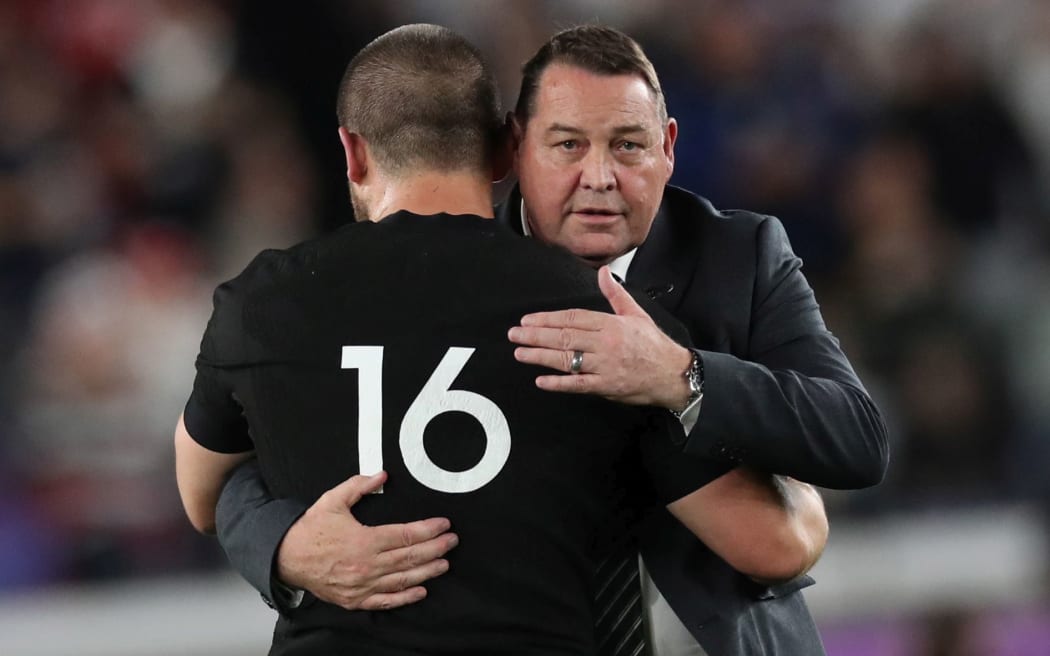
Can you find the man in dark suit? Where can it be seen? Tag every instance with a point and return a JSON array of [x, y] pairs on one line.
[[593, 141], [768, 388]]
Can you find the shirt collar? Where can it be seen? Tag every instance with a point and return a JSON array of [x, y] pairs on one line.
[[619, 266]]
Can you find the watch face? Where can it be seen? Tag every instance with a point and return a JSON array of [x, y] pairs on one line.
[[696, 382]]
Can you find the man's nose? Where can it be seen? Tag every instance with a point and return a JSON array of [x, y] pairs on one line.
[[598, 172]]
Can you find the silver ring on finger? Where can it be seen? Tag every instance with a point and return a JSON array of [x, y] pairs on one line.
[[577, 362]]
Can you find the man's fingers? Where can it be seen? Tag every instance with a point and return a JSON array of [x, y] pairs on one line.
[[555, 359], [619, 298], [399, 581], [405, 558], [579, 319], [395, 536], [350, 491], [561, 339], [388, 600], [577, 384]]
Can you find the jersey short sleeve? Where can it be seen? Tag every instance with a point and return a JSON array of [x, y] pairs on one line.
[[213, 416]]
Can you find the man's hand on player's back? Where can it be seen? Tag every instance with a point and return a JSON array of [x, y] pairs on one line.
[[342, 561]]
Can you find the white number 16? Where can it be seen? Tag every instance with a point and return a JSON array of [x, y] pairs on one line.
[[434, 399]]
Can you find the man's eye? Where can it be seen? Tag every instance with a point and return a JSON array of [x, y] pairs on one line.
[[568, 144], [629, 146]]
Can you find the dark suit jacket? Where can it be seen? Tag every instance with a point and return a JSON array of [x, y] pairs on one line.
[[779, 395]]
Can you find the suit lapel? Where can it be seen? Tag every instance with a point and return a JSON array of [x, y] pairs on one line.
[[662, 267]]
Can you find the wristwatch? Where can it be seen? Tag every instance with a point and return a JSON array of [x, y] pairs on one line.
[[694, 375]]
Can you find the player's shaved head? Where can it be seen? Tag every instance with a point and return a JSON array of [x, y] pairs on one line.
[[423, 97]]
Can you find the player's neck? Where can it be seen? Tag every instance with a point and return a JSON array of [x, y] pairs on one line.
[[436, 193]]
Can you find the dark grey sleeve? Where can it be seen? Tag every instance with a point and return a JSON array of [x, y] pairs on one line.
[[795, 405], [251, 525]]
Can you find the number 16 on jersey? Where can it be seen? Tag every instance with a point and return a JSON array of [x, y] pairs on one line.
[[434, 399]]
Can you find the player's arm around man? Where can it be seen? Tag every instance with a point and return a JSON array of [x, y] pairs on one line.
[[200, 474]]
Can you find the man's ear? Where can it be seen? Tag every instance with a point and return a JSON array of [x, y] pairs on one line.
[[357, 156], [670, 134]]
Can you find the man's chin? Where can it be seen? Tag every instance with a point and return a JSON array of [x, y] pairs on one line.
[[598, 249], [595, 261], [596, 257]]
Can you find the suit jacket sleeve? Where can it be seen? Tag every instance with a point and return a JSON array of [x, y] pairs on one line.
[[792, 404], [250, 525]]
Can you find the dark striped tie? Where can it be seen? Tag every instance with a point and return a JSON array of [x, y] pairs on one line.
[[618, 601]]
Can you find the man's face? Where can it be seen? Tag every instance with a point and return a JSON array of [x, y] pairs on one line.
[[593, 161]]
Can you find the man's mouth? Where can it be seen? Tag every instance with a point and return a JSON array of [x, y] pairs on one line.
[[597, 214]]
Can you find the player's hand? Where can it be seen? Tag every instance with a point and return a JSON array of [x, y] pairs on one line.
[[341, 561], [626, 357]]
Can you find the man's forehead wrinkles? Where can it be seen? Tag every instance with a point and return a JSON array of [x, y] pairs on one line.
[[561, 127], [632, 128], [576, 112], [629, 129]]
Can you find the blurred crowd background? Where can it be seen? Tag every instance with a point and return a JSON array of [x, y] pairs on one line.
[[148, 149]]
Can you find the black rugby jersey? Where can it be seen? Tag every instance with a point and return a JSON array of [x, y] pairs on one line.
[[384, 346]]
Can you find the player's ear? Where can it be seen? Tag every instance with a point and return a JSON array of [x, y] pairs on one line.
[[502, 153], [357, 157]]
